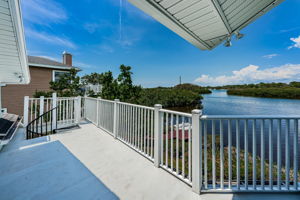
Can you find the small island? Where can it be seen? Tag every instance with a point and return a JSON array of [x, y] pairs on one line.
[[268, 90]]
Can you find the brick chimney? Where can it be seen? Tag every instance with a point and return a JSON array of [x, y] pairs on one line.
[[67, 58]]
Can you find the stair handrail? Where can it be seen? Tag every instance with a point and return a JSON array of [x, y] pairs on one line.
[[36, 128]]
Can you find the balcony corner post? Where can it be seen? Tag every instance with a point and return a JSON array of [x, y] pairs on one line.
[[157, 135], [115, 122], [98, 112], [196, 151], [78, 110]]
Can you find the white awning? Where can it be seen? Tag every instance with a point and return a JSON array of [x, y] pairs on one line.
[[13, 59], [205, 23]]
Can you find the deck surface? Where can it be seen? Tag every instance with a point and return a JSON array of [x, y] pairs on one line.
[[88, 163]]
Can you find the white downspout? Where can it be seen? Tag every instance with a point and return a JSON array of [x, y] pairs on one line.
[[1, 113], [0, 101]]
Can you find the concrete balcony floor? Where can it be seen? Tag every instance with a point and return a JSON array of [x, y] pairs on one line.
[[87, 163]]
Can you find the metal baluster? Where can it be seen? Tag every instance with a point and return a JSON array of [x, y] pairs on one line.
[[221, 155], [148, 132], [279, 155], [214, 154], [238, 154], [254, 153], [162, 138], [182, 148], [190, 151], [246, 153], [229, 155], [287, 156], [172, 136], [177, 144], [144, 127], [262, 156], [152, 133], [205, 156], [167, 136], [270, 155], [296, 154]]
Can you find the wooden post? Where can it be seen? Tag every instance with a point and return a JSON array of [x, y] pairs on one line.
[[157, 135], [115, 122], [196, 151]]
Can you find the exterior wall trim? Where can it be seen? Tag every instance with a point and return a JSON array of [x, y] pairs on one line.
[[50, 66]]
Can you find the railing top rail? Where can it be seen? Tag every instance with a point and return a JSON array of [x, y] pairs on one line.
[[176, 112], [45, 98], [99, 99], [33, 98], [106, 100], [250, 117], [65, 97], [92, 98], [135, 105]]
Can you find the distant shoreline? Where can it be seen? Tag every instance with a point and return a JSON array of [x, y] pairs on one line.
[[276, 93], [265, 90]]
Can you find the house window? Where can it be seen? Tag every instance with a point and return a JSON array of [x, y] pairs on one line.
[[57, 75]]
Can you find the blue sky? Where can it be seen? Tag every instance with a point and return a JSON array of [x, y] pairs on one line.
[[101, 35]]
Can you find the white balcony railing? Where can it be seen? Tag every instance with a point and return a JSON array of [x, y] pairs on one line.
[[67, 113], [209, 153]]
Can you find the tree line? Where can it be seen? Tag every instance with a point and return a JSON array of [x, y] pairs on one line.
[[122, 87]]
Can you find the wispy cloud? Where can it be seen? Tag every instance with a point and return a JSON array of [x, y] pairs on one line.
[[252, 74], [289, 30], [296, 42], [46, 37], [43, 12], [131, 10], [106, 48], [269, 56]]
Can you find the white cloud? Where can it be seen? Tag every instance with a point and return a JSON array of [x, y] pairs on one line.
[[252, 74], [296, 42], [43, 12], [270, 56], [64, 42]]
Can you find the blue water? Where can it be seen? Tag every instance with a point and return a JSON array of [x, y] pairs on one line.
[[219, 103]]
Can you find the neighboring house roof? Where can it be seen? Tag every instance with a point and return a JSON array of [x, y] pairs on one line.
[[36, 61], [13, 61], [206, 23]]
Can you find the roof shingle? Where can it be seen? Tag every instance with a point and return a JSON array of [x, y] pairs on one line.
[[45, 61]]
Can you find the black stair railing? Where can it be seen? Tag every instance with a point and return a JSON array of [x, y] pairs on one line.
[[40, 126]]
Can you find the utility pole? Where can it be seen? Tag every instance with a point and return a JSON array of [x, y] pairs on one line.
[[179, 80]]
